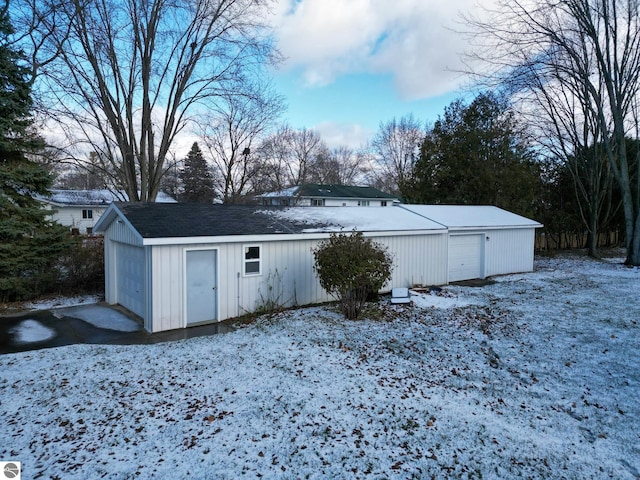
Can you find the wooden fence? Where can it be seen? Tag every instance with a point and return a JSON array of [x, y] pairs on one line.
[[546, 241]]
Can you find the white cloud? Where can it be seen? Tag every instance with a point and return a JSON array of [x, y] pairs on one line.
[[410, 39], [328, 37], [340, 134]]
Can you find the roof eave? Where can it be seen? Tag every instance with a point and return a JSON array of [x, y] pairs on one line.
[[492, 227], [278, 237]]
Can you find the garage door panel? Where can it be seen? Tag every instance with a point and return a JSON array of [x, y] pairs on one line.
[[130, 277], [465, 257]]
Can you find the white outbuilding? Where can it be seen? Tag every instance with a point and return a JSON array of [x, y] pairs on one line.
[[179, 265], [483, 241]]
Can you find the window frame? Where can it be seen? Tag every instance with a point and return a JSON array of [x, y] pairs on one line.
[[87, 214], [246, 261]]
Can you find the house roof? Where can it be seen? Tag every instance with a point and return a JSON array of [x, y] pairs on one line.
[[471, 216], [331, 191], [191, 220], [90, 198], [171, 220], [154, 220]]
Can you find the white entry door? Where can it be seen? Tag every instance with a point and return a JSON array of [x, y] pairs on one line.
[[202, 286], [465, 257]]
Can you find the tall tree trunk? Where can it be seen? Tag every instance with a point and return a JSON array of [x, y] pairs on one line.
[[592, 237]]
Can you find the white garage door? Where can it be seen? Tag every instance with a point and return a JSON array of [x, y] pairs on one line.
[[130, 277], [465, 257]]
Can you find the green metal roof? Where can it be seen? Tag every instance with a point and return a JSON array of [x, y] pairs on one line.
[[342, 191]]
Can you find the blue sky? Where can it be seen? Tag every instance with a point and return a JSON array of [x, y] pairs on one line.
[[351, 64]]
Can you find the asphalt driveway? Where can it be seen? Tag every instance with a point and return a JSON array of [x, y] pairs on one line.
[[91, 324]]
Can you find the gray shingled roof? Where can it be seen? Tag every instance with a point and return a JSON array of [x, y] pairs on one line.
[[154, 220]]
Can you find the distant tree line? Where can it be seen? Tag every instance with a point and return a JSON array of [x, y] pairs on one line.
[[480, 152]]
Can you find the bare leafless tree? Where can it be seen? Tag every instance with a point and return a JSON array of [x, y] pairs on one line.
[[232, 129], [306, 146], [288, 157], [36, 23], [170, 183], [339, 166], [274, 153], [124, 77], [82, 177], [587, 51], [562, 119], [397, 147]]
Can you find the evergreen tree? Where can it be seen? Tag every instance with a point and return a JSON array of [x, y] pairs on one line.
[[30, 244], [196, 178], [475, 155]]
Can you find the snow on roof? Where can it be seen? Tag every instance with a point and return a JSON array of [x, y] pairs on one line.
[[92, 197], [287, 192], [471, 216], [363, 219]]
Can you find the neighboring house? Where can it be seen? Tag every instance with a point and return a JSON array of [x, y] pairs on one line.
[[81, 209], [314, 195], [178, 265]]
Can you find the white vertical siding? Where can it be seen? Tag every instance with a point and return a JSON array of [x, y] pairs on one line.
[[287, 277], [147, 317], [131, 272], [110, 277], [287, 267], [418, 259], [167, 288], [118, 232], [509, 251]]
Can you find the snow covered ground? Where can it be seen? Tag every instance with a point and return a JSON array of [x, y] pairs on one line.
[[58, 302], [536, 376]]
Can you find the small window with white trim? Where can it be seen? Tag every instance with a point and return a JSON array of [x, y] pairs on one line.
[[87, 213], [252, 260]]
